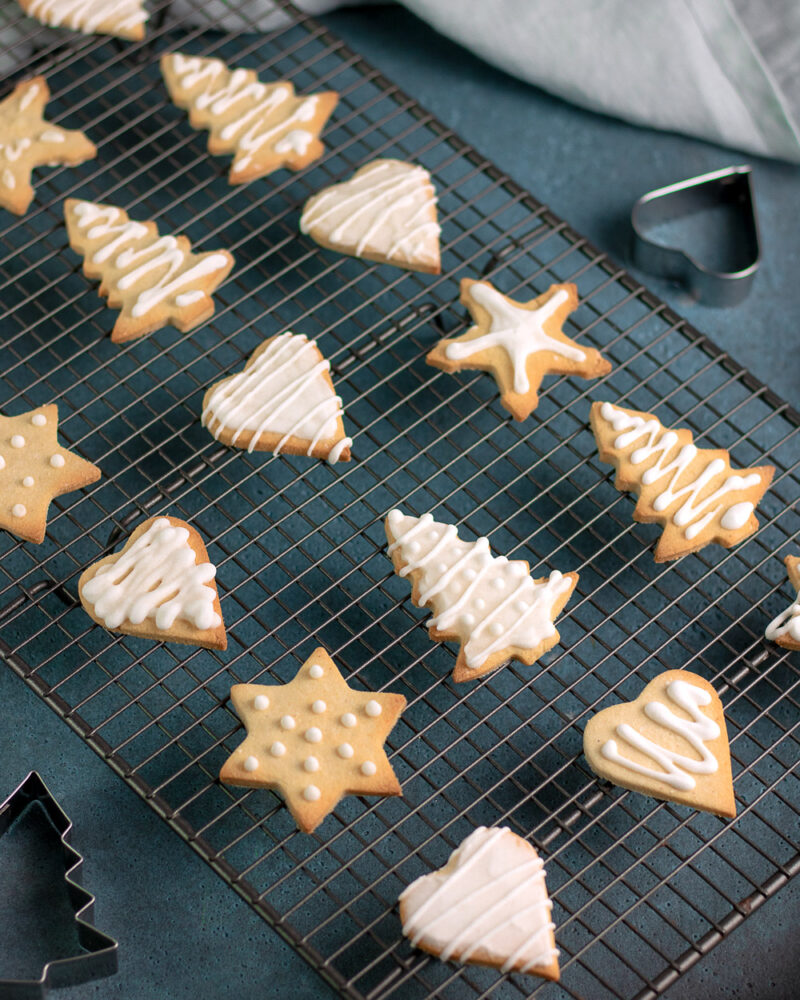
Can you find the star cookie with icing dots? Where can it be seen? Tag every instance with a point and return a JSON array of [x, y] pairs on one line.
[[518, 343], [313, 740], [34, 468], [28, 140]]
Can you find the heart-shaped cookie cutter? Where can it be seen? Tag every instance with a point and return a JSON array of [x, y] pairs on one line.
[[729, 186]]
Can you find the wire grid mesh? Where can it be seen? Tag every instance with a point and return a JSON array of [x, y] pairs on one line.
[[640, 889]]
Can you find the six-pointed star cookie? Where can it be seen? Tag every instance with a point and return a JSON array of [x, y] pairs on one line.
[[34, 468], [28, 140], [313, 740], [518, 343]]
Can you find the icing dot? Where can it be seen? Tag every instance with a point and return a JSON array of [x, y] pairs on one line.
[[315, 671], [318, 707], [467, 621], [27, 481], [251, 763], [368, 768], [311, 764], [496, 628], [480, 604], [17, 441], [2, 462], [39, 420], [499, 583], [287, 722], [521, 606], [18, 510], [312, 793], [348, 720], [313, 735], [345, 750], [261, 702], [373, 708], [277, 749], [469, 573], [57, 461]]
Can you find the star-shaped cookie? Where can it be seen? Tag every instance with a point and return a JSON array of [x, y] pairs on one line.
[[34, 468], [518, 343], [28, 140], [313, 740]]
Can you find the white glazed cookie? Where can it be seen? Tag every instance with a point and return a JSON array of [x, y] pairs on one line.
[[265, 125], [693, 493], [28, 140], [785, 629], [518, 343], [313, 740], [34, 468], [386, 212], [490, 604], [670, 743], [153, 280], [283, 401], [121, 18], [488, 906], [160, 585]]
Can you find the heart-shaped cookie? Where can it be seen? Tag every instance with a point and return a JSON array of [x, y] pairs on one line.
[[386, 212], [670, 743], [160, 585]]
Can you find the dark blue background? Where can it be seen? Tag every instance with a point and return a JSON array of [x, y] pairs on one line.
[[183, 933]]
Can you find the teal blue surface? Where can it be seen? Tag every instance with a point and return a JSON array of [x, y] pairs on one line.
[[182, 932]]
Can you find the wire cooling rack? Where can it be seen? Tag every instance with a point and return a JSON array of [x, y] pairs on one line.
[[641, 890]]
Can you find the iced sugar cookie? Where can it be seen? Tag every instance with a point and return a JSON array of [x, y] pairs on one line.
[[121, 18], [785, 629]]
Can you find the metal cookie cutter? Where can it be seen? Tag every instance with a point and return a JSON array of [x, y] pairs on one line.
[[99, 957], [729, 186]]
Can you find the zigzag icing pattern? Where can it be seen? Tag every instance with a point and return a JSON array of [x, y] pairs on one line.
[[124, 18]]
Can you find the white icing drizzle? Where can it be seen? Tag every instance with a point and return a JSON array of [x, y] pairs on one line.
[[457, 579], [519, 332], [675, 769], [378, 210], [786, 625], [265, 113], [283, 391], [88, 16], [156, 578], [490, 895], [129, 247], [693, 514]]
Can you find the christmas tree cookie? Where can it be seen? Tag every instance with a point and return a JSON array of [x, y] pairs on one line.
[[28, 140], [693, 493], [386, 212], [489, 604], [518, 343], [265, 125], [785, 629], [153, 280], [283, 401], [487, 906], [670, 743], [121, 18], [160, 585]]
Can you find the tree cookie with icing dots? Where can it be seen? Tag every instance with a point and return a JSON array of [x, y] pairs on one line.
[[283, 401], [487, 906], [160, 585], [120, 18], [34, 468], [313, 740], [693, 493], [785, 629], [489, 604], [29, 140], [153, 280], [518, 343], [386, 213], [265, 125], [670, 743]]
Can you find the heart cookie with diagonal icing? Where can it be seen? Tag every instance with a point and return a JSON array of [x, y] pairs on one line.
[[670, 743], [386, 212]]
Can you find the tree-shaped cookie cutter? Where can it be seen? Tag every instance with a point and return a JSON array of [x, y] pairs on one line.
[[99, 956]]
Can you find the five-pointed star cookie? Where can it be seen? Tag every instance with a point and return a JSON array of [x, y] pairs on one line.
[[518, 343], [28, 140], [313, 740], [34, 468]]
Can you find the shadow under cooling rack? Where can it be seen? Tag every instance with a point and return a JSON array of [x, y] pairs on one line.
[[640, 890]]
